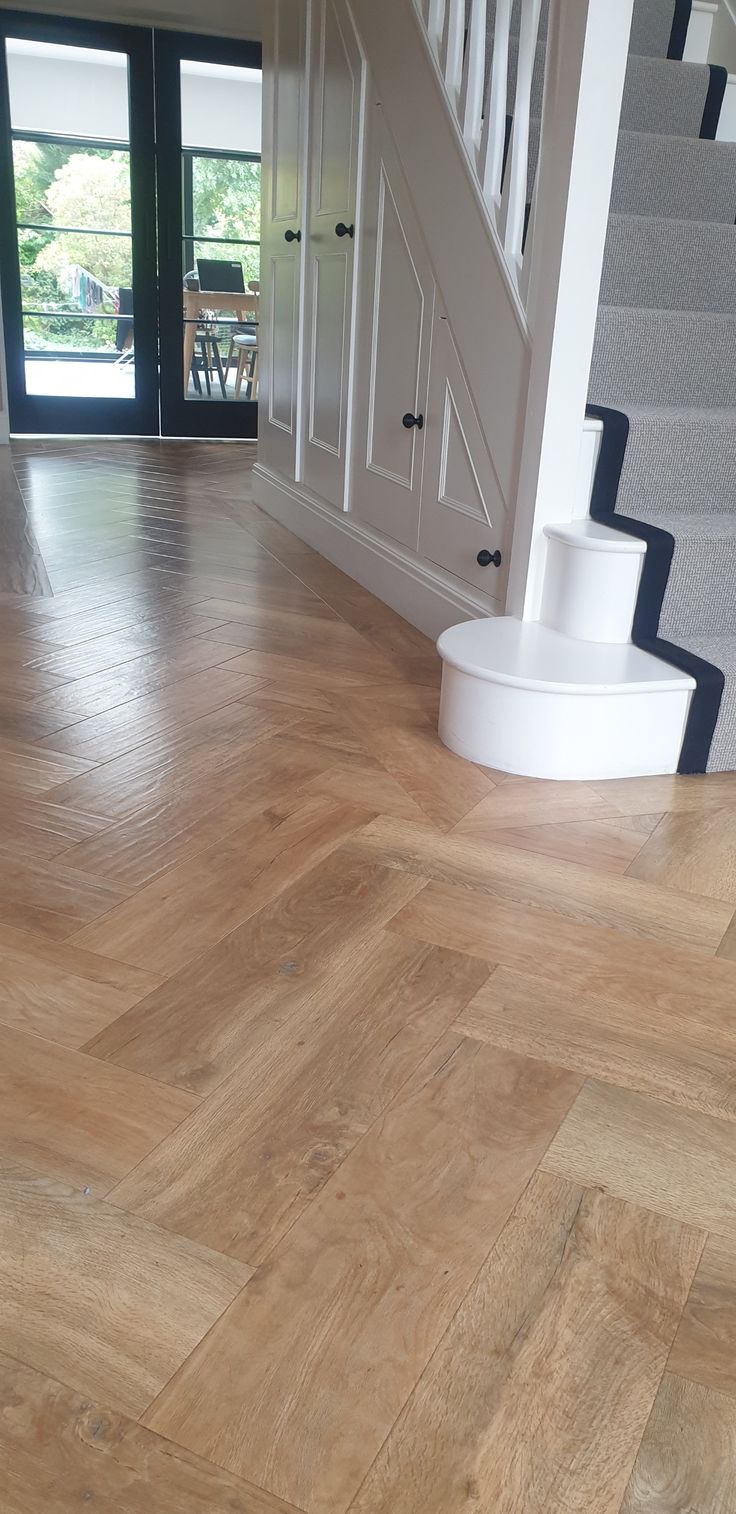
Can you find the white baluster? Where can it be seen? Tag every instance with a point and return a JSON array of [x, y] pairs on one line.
[[474, 73], [435, 23], [453, 43], [493, 138], [517, 168]]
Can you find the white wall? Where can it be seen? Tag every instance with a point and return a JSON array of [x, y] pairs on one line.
[[723, 36]]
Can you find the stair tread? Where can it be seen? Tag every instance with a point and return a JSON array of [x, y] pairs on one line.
[[527, 654]]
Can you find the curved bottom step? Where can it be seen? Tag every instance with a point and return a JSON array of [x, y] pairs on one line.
[[525, 699]]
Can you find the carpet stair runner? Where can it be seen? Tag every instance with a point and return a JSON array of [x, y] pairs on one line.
[[663, 378]]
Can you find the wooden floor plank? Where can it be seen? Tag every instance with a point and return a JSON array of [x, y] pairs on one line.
[[503, 873], [705, 1345], [560, 1338], [78, 1118], [99, 1299], [241, 1170], [59, 1451], [298, 1387], [672, 1161], [61, 992], [687, 1461], [198, 902], [261, 975], [681, 1052], [692, 852]]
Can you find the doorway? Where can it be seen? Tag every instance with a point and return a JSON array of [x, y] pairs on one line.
[[130, 257]]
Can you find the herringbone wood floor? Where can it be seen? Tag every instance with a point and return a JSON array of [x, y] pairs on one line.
[[367, 1119]]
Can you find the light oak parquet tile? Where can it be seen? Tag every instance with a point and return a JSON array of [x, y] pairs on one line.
[[405, 743], [58, 1447], [98, 692], [673, 1161], [62, 993], [681, 1051], [193, 905], [633, 908], [97, 1298], [77, 1118], [49, 898], [258, 977], [241, 1170], [105, 736], [705, 1345], [298, 1386], [607, 846], [538, 1394], [687, 1460], [694, 852], [187, 761], [588, 960], [529, 801], [640, 796]]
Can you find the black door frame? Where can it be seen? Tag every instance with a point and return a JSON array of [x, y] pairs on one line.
[[179, 416], [72, 415]]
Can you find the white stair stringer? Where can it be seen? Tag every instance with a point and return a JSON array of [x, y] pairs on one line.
[[526, 699]]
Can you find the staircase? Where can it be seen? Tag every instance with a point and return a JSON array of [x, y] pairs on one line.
[[631, 667]]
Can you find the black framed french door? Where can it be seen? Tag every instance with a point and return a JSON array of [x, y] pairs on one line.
[[78, 226], [208, 276]]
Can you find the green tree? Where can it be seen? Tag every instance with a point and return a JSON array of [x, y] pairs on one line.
[[226, 194], [90, 191]]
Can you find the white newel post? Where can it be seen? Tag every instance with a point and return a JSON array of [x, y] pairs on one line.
[[587, 53]]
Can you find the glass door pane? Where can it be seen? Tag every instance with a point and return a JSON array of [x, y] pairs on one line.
[[85, 333], [213, 218]]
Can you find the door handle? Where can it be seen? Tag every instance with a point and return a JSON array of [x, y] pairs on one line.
[[292, 236], [341, 230], [410, 420], [485, 558]]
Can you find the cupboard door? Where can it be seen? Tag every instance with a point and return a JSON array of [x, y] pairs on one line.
[[283, 91], [463, 511], [336, 91], [397, 294]]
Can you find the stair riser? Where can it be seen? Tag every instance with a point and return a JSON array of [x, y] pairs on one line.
[[590, 594], [552, 735], [710, 613]]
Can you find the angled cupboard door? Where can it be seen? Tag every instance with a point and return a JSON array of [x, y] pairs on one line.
[[463, 524], [336, 91], [395, 329], [282, 232]]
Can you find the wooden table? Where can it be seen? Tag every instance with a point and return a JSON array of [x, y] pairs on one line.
[[243, 306]]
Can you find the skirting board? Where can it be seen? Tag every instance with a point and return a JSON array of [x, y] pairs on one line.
[[425, 596]]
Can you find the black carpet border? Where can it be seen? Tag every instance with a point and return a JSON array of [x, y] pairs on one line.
[[710, 681], [713, 101], [680, 26]]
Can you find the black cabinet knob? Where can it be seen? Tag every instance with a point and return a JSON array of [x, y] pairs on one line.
[[292, 236], [341, 230], [410, 420], [485, 558]]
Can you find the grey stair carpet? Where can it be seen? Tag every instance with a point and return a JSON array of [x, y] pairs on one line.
[[659, 95], [663, 380], [663, 376], [659, 27]]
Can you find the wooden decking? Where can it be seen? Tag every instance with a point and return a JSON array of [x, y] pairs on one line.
[[367, 1119]]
